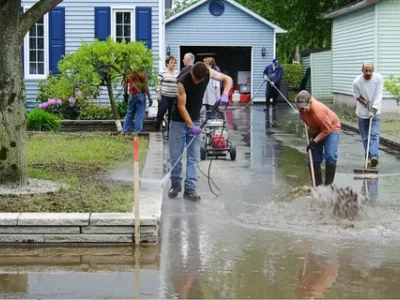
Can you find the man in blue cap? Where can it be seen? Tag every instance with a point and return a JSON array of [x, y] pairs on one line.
[[273, 73]]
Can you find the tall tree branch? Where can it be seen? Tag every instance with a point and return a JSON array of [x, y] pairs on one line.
[[32, 15]]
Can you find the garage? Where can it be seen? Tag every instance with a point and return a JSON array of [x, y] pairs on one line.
[[232, 61], [241, 42]]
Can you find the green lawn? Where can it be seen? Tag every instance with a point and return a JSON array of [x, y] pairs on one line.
[[390, 123], [80, 161]]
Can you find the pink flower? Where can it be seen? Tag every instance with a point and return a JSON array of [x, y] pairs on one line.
[[51, 101], [59, 101], [78, 92], [72, 100], [44, 105]]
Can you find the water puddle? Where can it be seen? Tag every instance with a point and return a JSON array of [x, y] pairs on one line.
[[314, 215]]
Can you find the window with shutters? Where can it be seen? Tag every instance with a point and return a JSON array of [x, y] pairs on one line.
[[36, 50], [122, 25]]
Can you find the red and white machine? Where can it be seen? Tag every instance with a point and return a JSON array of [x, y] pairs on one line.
[[215, 140]]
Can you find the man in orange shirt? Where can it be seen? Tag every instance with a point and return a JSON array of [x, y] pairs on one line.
[[324, 127]]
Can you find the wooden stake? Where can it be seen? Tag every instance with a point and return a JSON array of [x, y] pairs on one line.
[[136, 188], [310, 157]]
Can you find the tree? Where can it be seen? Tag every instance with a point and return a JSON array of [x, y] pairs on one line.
[[179, 5], [13, 28], [96, 64]]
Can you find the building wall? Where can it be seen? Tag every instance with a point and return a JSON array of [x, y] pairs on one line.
[[233, 28], [352, 44], [388, 39], [321, 74], [80, 26], [306, 62]]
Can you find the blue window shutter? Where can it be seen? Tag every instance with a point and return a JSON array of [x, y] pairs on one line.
[[102, 23], [56, 37], [143, 25], [21, 9]]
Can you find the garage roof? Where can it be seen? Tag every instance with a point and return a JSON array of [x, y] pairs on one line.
[[234, 3]]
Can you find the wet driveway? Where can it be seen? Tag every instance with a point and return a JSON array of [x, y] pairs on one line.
[[251, 241]]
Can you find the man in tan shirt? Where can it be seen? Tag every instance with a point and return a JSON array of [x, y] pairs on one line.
[[324, 127]]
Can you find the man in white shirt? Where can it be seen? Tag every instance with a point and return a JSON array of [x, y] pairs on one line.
[[368, 91]]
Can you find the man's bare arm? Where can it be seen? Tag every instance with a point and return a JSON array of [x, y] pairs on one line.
[[181, 104], [227, 81]]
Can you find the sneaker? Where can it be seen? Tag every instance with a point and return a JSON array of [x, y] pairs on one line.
[[174, 191], [374, 162], [190, 194]]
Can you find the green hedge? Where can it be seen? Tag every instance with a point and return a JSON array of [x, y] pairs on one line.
[[293, 73]]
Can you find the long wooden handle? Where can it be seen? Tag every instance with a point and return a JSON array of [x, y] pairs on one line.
[[369, 140], [310, 157]]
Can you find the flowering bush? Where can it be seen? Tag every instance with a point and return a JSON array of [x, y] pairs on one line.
[[65, 109]]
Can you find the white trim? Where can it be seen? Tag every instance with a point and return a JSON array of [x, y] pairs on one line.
[[376, 37], [274, 44], [234, 3], [251, 72], [161, 29], [27, 75], [114, 10]]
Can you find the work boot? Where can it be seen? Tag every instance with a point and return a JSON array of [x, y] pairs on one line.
[[174, 191], [330, 170], [374, 162], [318, 174], [190, 194]]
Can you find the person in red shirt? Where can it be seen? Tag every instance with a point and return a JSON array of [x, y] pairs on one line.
[[324, 127], [137, 85]]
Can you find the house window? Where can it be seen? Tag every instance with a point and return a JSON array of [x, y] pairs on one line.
[[36, 50], [123, 25]]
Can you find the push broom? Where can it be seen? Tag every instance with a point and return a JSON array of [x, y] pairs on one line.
[[364, 172]]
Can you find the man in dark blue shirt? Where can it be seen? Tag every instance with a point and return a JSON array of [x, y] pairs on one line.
[[273, 73]]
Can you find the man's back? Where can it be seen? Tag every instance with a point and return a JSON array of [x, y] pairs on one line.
[[318, 114], [194, 97]]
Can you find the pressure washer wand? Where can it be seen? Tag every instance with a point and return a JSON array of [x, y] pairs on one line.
[[290, 104], [164, 179]]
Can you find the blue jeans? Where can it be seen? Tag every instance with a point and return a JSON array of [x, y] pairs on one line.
[[363, 125], [180, 135], [327, 149], [136, 105]]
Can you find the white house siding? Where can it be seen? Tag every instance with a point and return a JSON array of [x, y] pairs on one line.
[[233, 28], [321, 74], [80, 26], [352, 44], [306, 62], [388, 39]]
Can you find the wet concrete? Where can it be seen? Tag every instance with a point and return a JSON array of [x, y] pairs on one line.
[[251, 241]]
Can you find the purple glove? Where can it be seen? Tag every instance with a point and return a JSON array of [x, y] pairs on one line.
[[223, 100], [195, 130]]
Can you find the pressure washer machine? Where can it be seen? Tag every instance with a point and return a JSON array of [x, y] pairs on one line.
[[215, 138]]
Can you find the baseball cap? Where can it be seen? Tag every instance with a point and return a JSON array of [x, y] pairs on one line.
[[302, 99], [275, 60]]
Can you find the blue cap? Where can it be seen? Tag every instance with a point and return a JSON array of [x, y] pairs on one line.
[[275, 60]]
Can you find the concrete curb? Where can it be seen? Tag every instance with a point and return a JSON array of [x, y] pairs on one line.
[[94, 227], [385, 139]]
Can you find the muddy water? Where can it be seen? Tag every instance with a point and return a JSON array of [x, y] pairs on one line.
[[252, 241]]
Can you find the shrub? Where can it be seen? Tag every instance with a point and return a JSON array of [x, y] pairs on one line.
[[63, 109], [392, 85], [292, 74], [122, 108], [93, 111], [41, 120]]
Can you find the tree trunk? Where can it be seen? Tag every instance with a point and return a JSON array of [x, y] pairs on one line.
[[13, 164], [113, 106]]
